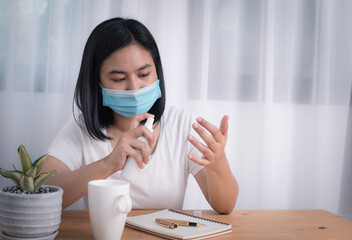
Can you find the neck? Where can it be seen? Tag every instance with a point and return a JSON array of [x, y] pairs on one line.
[[122, 123]]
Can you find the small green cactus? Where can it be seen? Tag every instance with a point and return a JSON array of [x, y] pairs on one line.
[[29, 178]]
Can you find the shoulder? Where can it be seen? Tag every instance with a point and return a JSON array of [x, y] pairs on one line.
[[175, 114], [178, 120], [75, 128], [73, 125]]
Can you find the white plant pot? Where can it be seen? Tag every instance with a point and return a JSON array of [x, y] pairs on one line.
[[30, 215]]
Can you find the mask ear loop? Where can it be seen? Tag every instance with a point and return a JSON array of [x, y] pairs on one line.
[[100, 89]]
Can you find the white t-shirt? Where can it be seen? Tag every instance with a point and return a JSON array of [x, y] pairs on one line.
[[163, 181]]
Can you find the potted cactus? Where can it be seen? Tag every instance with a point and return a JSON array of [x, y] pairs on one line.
[[29, 209]]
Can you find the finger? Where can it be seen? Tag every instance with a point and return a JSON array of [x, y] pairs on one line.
[[144, 131], [138, 118], [143, 150], [133, 153], [224, 125], [214, 131], [200, 161], [201, 147], [208, 139], [148, 135]]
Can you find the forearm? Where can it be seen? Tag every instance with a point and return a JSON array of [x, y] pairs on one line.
[[75, 183], [222, 189]]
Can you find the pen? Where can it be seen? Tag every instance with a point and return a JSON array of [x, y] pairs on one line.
[[168, 223], [181, 222]]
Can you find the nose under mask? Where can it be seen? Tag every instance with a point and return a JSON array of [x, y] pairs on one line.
[[130, 103]]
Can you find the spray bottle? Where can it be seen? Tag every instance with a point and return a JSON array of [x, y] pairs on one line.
[[131, 169]]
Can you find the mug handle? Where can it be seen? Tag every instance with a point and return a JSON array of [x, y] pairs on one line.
[[128, 204]]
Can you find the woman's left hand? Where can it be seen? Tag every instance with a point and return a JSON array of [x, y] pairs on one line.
[[216, 180], [214, 151]]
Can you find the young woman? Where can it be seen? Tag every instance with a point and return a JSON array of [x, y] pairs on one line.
[[121, 57]]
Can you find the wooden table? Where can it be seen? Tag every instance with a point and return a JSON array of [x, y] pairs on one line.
[[247, 224]]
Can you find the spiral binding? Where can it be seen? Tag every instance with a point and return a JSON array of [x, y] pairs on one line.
[[201, 218]]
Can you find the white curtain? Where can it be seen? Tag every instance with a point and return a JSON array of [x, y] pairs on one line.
[[281, 69]]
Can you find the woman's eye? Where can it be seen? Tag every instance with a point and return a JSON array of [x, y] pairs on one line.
[[118, 80], [144, 75]]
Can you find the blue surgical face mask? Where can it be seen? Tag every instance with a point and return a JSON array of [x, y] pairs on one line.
[[131, 103]]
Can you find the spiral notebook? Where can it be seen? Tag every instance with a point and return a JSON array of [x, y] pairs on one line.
[[148, 224]]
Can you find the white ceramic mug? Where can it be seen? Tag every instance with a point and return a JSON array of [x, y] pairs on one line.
[[108, 202]]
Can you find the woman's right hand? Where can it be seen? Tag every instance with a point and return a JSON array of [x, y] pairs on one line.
[[128, 144]]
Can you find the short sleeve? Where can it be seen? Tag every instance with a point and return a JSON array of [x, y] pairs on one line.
[[67, 146]]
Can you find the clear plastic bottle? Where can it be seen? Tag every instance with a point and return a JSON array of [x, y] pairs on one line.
[[131, 169]]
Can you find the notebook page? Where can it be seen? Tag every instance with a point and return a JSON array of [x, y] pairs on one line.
[[147, 222]]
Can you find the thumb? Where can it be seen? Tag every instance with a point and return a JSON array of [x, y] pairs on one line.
[[224, 125]]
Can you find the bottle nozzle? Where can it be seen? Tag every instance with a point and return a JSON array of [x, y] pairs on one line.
[[149, 123]]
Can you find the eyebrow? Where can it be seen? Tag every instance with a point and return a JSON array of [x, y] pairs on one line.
[[122, 72]]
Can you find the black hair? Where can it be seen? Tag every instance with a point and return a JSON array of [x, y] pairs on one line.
[[108, 36]]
